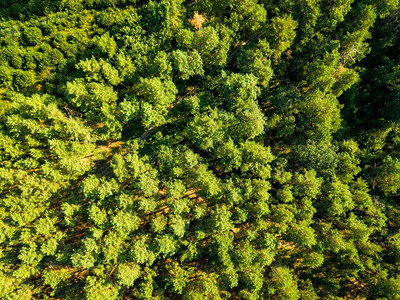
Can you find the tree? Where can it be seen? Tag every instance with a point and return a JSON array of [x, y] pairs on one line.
[[388, 178], [281, 33], [32, 35], [187, 64], [232, 149]]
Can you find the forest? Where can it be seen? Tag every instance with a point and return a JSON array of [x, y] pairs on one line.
[[199, 149]]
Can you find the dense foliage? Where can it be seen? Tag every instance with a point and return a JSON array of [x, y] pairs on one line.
[[201, 149]]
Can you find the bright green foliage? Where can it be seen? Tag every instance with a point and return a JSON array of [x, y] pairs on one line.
[[107, 45], [388, 177], [187, 64], [282, 33], [283, 284], [232, 149], [32, 35], [98, 289], [127, 274], [23, 79]]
